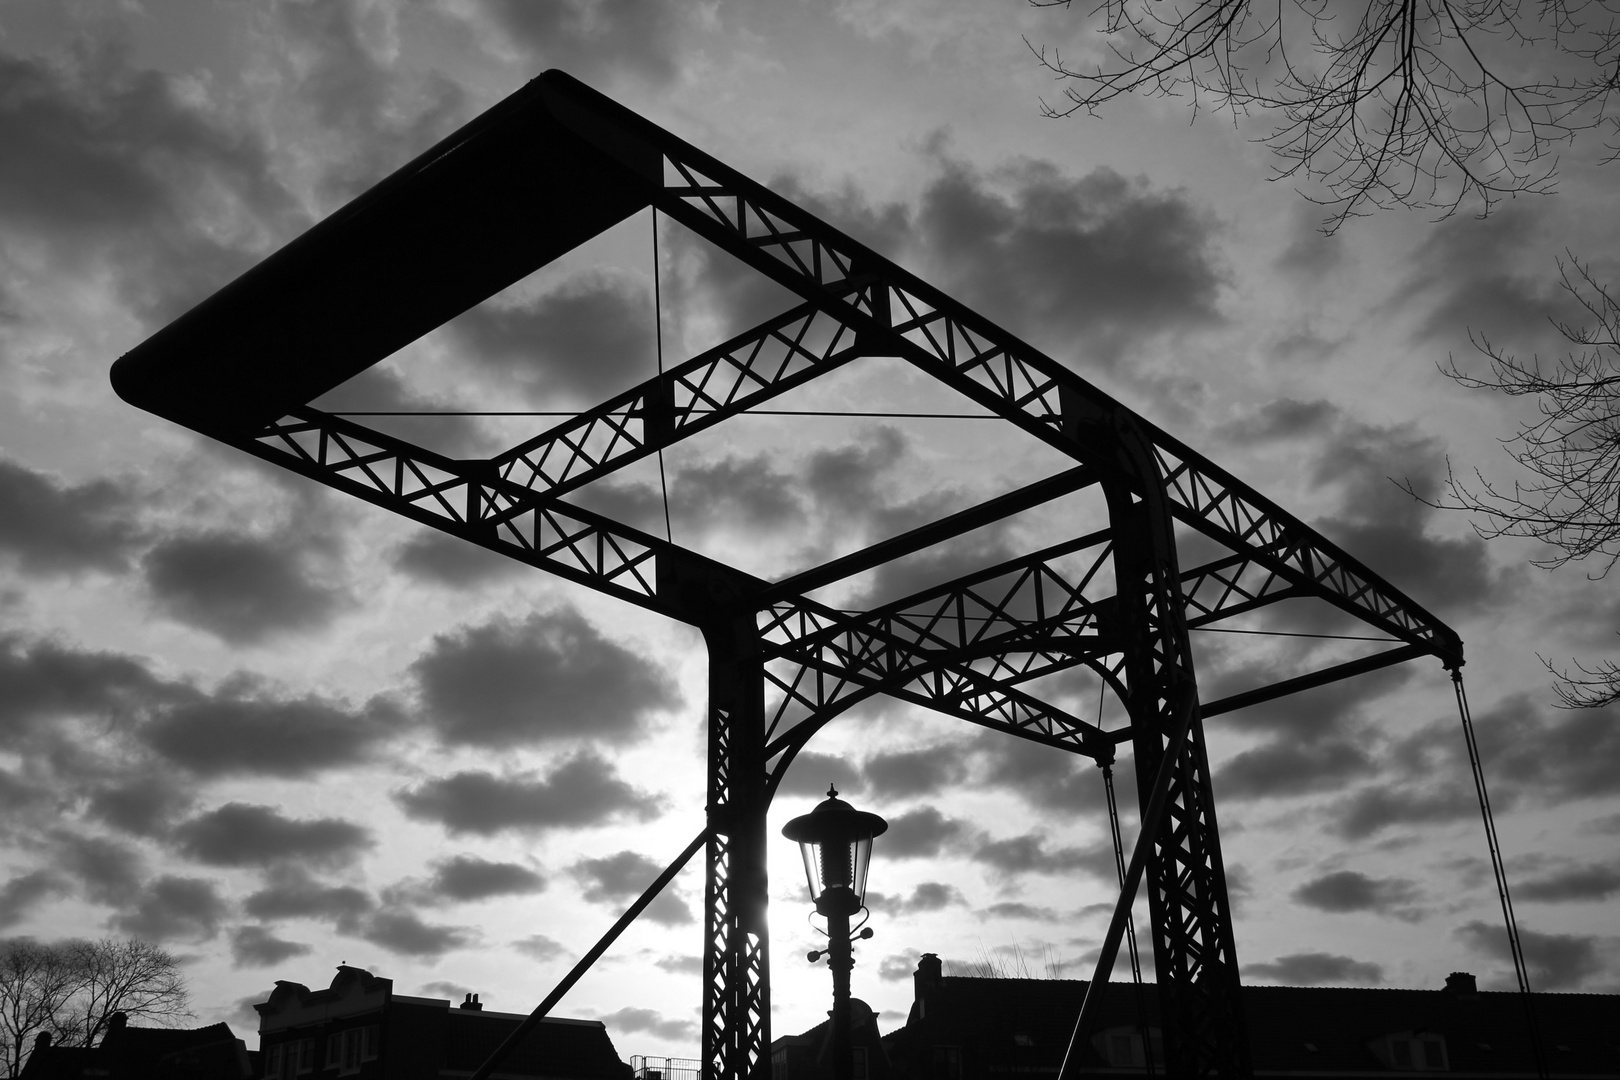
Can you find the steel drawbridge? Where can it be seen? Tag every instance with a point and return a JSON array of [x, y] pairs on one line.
[[556, 164]]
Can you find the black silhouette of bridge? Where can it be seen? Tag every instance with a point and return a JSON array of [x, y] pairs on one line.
[[556, 164]]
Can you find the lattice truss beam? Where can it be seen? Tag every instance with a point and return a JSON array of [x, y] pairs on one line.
[[244, 366]]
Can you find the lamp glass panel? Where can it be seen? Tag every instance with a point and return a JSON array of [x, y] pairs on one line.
[[812, 869], [861, 858]]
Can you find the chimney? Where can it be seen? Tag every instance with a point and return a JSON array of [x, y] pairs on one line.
[[925, 979], [42, 1041], [1462, 984], [472, 1003], [116, 1023]]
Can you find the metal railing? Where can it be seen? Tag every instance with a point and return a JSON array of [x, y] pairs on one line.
[[654, 1068]]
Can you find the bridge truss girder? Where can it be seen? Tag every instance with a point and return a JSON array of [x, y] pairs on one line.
[[782, 665]]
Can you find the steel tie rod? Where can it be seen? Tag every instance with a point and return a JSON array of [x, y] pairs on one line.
[[529, 1022]]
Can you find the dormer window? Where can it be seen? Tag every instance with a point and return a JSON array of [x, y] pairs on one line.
[[1122, 1047], [1412, 1051]]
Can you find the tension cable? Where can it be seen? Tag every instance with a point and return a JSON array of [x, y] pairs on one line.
[[1514, 944], [1130, 923], [1289, 633], [864, 414], [658, 337]]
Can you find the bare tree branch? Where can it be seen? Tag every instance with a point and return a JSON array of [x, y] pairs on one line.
[[36, 982], [1582, 687], [1423, 103], [133, 977], [1571, 499], [71, 989]]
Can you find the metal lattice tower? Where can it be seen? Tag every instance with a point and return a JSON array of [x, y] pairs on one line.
[[557, 163]]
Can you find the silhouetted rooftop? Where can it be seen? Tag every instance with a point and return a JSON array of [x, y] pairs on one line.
[[1292, 1029]]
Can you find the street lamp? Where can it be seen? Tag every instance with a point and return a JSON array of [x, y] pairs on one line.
[[836, 842]]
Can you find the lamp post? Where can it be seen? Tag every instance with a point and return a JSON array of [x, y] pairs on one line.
[[836, 842]]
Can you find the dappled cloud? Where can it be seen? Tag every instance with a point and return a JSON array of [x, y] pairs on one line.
[[549, 677], [581, 792]]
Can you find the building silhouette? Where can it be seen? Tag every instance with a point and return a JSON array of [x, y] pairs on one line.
[[806, 1056], [970, 1028], [359, 1028], [134, 1053]]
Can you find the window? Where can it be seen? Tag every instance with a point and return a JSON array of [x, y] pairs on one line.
[[1412, 1051], [306, 1055], [1122, 1047], [859, 1072], [283, 1060], [347, 1049], [947, 1063], [351, 1051]]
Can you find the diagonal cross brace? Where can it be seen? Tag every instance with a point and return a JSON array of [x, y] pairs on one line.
[[779, 354], [600, 553], [986, 363], [566, 540]]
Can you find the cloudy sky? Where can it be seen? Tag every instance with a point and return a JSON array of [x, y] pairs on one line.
[[277, 730]]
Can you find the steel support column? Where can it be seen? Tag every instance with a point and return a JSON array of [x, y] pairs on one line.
[[1191, 916], [736, 953]]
